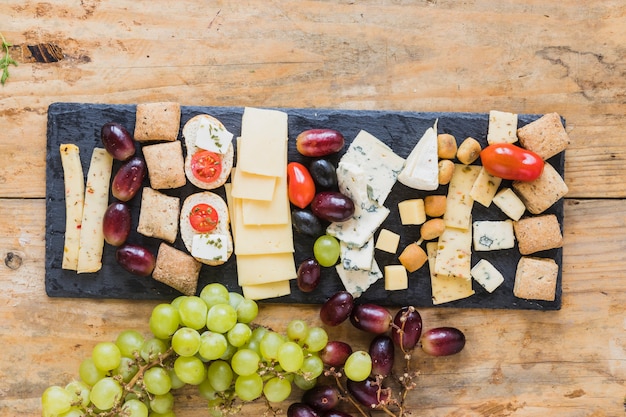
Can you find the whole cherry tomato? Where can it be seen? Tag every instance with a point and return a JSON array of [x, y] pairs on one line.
[[301, 187], [511, 162]]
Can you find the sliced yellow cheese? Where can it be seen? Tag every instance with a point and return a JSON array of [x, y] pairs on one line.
[[252, 186], [273, 212], [459, 202], [263, 142], [454, 253], [96, 203], [446, 289], [262, 269], [74, 182], [510, 204], [485, 187], [269, 290]]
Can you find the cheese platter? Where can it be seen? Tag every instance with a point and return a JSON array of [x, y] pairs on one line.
[[80, 124]]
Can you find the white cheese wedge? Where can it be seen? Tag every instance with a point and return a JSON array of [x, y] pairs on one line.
[[502, 127], [74, 182], [356, 282], [421, 170], [210, 246], [510, 204], [446, 289], [212, 137], [493, 235], [454, 253], [487, 275], [485, 188]]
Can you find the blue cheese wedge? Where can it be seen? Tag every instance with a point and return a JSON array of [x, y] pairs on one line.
[[357, 258], [356, 282], [493, 235], [210, 246], [487, 275], [421, 170]]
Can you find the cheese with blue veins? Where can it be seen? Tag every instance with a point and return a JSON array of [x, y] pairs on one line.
[[357, 258], [210, 246], [487, 275], [493, 235], [356, 282]]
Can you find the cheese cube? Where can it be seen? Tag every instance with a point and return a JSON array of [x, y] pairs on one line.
[[502, 127], [493, 235], [412, 211], [487, 275], [388, 241], [485, 187], [510, 204], [396, 278]]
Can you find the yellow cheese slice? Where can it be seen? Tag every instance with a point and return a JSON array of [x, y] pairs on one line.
[[485, 187], [454, 253], [252, 186], [459, 202], [502, 127], [269, 290], [266, 268], [445, 289], [275, 211], [96, 203], [263, 142], [74, 182]]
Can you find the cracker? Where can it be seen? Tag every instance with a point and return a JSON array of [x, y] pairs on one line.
[[158, 217], [542, 193], [157, 121], [177, 269], [166, 165], [545, 136], [535, 279], [538, 233]]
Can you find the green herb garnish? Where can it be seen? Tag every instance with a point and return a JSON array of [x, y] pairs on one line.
[[6, 60]]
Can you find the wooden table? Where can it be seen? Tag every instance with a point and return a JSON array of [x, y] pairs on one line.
[[437, 55]]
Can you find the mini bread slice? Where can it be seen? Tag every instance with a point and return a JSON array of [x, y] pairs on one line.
[[157, 121], [187, 232], [177, 269], [538, 233], [165, 165], [540, 194], [190, 134], [158, 217], [535, 279], [545, 136]]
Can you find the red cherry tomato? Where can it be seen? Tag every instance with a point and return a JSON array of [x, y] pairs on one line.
[[206, 165], [203, 218], [301, 187], [511, 162]]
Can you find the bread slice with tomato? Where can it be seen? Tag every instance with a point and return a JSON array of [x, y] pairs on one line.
[[205, 228], [210, 152]]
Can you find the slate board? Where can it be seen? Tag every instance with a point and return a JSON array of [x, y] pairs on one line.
[[80, 123]]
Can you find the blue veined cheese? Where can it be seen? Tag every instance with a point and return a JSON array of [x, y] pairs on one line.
[[378, 162], [485, 187], [356, 282], [510, 204], [357, 258], [454, 253], [459, 202], [210, 246], [487, 275], [493, 235]]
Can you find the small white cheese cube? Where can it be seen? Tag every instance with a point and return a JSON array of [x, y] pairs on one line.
[[388, 241], [396, 278], [493, 235], [212, 137], [209, 246], [487, 275], [502, 127], [510, 204], [485, 187], [412, 211]]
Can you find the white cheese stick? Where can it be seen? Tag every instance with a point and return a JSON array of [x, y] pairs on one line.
[[74, 183]]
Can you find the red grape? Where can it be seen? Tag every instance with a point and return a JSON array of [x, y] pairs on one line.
[[116, 223], [443, 341], [301, 410], [335, 353], [368, 392], [407, 328], [135, 259], [321, 397], [309, 273], [332, 206], [371, 318], [337, 308], [382, 352], [117, 141]]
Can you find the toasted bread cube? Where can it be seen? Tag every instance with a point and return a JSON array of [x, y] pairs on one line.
[[157, 121], [177, 269], [159, 215], [538, 233], [166, 166], [535, 279], [540, 194], [545, 136]]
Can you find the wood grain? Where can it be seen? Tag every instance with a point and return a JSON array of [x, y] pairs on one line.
[[529, 56]]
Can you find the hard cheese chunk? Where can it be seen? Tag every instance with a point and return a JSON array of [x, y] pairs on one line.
[[454, 253], [74, 182], [510, 204], [388, 241], [493, 235], [263, 142], [412, 212], [487, 275], [459, 201], [262, 269], [357, 281], [485, 188], [396, 278], [502, 127], [446, 289]]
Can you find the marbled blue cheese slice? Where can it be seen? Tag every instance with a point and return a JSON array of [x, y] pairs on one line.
[[357, 258], [356, 282], [421, 170], [487, 275], [210, 246], [493, 235], [212, 137]]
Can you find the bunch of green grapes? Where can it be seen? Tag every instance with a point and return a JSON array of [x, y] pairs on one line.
[[209, 341]]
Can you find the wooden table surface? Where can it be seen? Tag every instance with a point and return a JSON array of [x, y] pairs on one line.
[[436, 55]]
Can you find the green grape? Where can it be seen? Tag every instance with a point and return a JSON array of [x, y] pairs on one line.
[[239, 335], [56, 400], [358, 366], [129, 342], [255, 339], [270, 343], [186, 341], [193, 311], [234, 298], [135, 408], [290, 356], [164, 321], [190, 369], [277, 389], [176, 382], [176, 301], [73, 412], [215, 293], [106, 356], [221, 318], [220, 375], [297, 330], [316, 339], [106, 393], [230, 351], [249, 387], [312, 367], [304, 383], [247, 310], [157, 381], [80, 393], [206, 390], [326, 250], [152, 348], [245, 362], [127, 370], [212, 345], [89, 373], [162, 403]]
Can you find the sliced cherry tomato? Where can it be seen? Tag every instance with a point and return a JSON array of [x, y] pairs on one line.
[[511, 162], [203, 217], [300, 185], [206, 165]]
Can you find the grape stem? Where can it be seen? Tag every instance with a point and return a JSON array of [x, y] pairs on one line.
[[345, 392]]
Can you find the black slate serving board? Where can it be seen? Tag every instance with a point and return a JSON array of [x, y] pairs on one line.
[[80, 123]]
